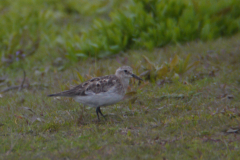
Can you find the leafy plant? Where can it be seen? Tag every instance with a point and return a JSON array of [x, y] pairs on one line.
[[153, 23], [174, 68]]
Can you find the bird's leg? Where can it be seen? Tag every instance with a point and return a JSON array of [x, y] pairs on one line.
[[98, 110], [101, 113]]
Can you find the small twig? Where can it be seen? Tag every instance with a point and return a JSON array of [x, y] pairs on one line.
[[24, 76], [14, 87], [24, 86]]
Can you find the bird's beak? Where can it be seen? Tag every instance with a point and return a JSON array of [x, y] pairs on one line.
[[134, 76]]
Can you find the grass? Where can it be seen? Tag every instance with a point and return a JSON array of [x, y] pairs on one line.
[[186, 119], [195, 116]]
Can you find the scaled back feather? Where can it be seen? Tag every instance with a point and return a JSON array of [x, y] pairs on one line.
[[92, 86]]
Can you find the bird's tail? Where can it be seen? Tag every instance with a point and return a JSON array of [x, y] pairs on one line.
[[53, 95], [63, 94]]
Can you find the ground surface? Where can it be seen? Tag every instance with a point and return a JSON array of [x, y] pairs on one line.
[[192, 116], [196, 117]]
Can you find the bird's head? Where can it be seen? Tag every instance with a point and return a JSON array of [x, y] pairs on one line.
[[126, 72]]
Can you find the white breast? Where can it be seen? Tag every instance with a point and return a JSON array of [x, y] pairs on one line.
[[100, 99]]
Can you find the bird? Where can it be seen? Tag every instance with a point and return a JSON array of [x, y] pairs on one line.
[[101, 91]]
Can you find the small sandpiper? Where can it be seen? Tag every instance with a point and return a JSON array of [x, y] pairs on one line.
[[101, 91]]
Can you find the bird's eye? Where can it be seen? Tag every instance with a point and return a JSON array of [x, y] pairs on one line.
[[125, 71]]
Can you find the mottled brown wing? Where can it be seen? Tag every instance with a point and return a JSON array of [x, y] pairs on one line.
[[101, 84], [92, 86]]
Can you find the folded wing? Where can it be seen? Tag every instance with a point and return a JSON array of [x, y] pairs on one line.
[[90, 87]]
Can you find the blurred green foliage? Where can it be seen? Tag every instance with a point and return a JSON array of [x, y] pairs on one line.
[[117, 26], [154, 23], [54, 25]]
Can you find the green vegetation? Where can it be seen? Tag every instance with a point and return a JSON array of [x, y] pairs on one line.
[[195, 116], [46, 27], [154, 23], [132, 25], [187, 107], [170, 70]]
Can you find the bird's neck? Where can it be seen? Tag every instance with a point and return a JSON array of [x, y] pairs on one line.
[[125, 83]]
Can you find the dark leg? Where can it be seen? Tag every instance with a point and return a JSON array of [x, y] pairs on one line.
[[98, 110], [101, 112]]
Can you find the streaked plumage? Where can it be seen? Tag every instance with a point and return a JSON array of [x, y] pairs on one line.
[[101, 91]]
